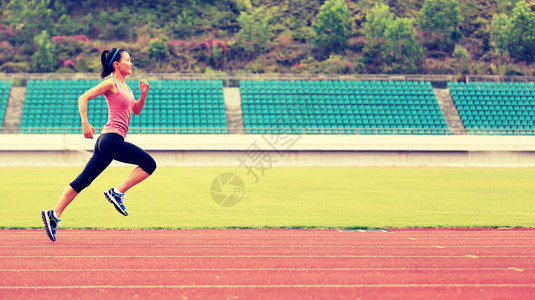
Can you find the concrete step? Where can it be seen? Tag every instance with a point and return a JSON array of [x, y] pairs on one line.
[[450, 112], [233, 110], [14, 109]]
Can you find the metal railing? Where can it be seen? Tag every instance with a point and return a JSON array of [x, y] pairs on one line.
[[232, 80], [283, 131], [131, 130], [348, 130], [492, 131], [229, 80], [498, 78]]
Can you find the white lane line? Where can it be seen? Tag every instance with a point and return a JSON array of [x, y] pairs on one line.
[[304, 238], [270, 269], [255, 286], [265, 246], [266, 256]]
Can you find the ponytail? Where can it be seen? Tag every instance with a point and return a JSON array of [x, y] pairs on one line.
[[107, 58]]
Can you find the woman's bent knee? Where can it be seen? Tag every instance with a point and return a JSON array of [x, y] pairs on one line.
[[149, 165], [78, 186]]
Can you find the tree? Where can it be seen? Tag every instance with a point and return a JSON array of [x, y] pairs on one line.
[[43, 59], [117, 24], [334, 26], [29, 18], [243, 5], [377, 19], [391, 45], [505, 6], [514, 35], [254, 33], [440, 21], [158, 48], [184, 23], [401, 52], [460, 60], [500, 33], [523, 32]]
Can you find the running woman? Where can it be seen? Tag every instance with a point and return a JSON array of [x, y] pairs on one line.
[[111, 143]]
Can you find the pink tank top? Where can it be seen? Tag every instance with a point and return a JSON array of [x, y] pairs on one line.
[[119, 107]]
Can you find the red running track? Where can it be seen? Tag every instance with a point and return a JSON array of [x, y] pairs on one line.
[[268, 264]]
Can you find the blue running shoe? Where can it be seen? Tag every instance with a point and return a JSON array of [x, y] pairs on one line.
[[51, 223], [116, 198]]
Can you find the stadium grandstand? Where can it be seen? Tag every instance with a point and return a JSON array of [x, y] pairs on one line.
[[241, 108], [341, 107], [5, 87], [495, 107], [182, 107]]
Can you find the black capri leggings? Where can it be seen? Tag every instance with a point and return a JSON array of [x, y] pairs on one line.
[[110, 146]]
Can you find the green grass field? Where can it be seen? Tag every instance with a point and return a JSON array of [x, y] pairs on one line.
[[283, 197]]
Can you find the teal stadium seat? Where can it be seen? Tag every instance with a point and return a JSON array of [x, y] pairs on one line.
[[341, 107], [173, 107], [495, 108], [5, 88]]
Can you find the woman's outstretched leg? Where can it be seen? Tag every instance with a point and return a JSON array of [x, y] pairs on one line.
[[65, 199], [51, 217]]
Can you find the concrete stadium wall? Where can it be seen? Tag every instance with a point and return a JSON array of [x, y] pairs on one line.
[[235, 150]]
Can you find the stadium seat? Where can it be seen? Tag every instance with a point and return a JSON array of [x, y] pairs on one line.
[[341, 107], [495, 108], [5, 88], [173, 106]]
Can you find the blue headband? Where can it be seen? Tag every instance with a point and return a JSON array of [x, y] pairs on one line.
[[111, 61]]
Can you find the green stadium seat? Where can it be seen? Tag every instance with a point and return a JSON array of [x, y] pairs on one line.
[[5, 88], [495, 108], [340, 107], [169, 102]]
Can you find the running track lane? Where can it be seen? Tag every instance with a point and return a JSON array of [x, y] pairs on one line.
[[268, 264]]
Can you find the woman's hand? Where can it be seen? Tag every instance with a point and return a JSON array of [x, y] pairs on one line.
[[88, 130], [144, 86]]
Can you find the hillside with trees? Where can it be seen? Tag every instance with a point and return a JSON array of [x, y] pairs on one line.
[[460, 37]]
